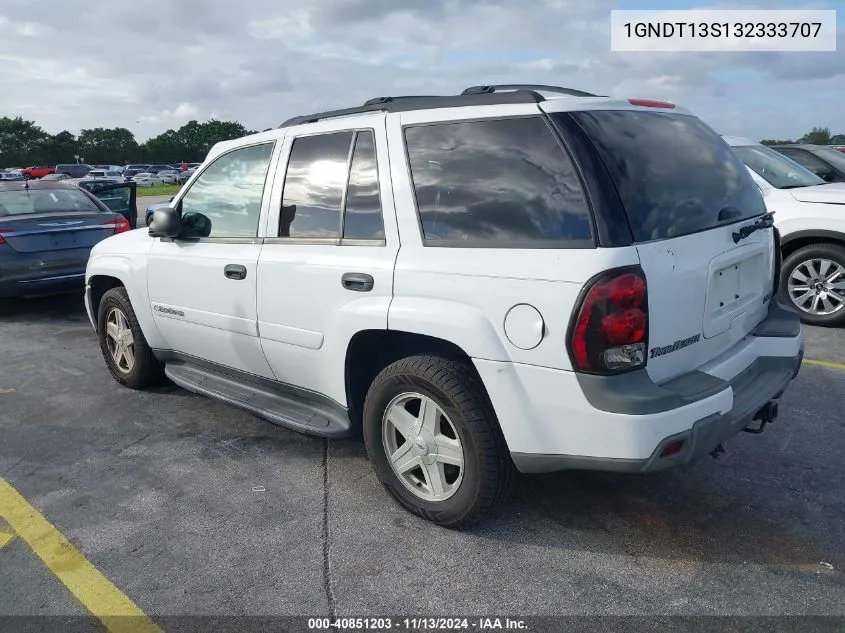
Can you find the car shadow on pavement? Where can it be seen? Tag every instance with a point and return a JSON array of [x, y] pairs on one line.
[[705, 513], [54, 308]]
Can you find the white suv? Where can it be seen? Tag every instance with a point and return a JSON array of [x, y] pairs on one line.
[[809, 214], [517, 276]]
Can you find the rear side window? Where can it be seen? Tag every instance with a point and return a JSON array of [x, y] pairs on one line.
[[322, 183], [496, 183], [362, 218], [312, 198], [674, 175]]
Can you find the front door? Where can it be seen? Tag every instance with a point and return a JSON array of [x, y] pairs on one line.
[[119, 197], [202, 284], [328, 273]]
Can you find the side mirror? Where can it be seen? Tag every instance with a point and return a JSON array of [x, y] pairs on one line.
[[166, 222], [171, 198]]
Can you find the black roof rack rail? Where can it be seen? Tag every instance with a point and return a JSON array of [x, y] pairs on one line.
[[375, 100], [404, 104], [475, 90]]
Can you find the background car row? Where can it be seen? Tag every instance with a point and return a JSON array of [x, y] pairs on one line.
[[803, 184], [807, 206], [144, 175]]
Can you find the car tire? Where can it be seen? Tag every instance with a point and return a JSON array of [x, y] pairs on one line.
[[136, 366], [463, 424], [807, 260]]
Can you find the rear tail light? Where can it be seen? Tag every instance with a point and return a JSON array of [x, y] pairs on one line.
[[2, 239], [650, 103], [609, 334], [121, 225]]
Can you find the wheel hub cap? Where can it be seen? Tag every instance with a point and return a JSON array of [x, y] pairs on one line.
[[424, 446]]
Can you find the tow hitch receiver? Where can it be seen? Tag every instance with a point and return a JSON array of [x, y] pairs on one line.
[[764, 416]]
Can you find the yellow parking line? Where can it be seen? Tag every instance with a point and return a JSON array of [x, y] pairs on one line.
[[116, 611], [824, 363], [5, 537]]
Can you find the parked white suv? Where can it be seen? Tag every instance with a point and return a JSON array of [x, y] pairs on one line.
[[517, 276], [810, 215]]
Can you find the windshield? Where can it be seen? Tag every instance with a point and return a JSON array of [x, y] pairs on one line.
[[775, 168], [674, 175], [832, 156], [23, 202]]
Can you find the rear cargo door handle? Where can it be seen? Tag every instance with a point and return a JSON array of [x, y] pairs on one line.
[[359, 282], [234, 271]]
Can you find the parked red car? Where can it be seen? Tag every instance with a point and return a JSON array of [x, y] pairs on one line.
[[38, 172]]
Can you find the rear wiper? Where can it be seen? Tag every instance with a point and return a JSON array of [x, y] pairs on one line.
[[765, 222], [728, 213]]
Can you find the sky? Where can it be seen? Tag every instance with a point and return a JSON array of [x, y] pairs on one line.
[[150, 65]]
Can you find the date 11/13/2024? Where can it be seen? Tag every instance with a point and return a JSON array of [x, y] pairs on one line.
[[418, 624]]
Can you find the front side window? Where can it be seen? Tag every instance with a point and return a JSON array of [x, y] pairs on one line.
[[496, 183], [225, 201], [312, 198]]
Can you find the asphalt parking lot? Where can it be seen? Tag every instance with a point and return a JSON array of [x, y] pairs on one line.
[[192, 507]]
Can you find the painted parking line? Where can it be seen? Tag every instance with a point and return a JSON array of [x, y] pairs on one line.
[[5, 537], [96, 593], [824, 363]]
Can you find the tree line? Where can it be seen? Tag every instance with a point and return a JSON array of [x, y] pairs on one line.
[[818, 136], [23, 143]]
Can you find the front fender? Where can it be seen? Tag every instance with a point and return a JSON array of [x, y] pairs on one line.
[[463, 325], [131, 272]]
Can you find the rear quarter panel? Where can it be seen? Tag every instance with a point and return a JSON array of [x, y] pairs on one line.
[[464, 294]]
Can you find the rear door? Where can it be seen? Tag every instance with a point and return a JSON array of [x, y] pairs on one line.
[[120, 198], [326, 269], [686, 195]]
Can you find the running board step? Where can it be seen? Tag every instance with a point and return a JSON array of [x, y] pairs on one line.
[[282, 409]]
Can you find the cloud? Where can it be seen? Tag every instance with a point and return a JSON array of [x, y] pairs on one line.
[[158, 64]]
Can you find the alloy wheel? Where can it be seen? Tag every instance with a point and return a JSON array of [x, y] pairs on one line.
[[817, 286], [423, 447], [120, 341]]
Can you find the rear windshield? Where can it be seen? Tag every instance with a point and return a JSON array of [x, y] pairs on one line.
[[674, 175], [24, 202], [775, 168]]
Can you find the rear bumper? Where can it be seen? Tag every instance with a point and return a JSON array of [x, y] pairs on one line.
[[554, 420], [23, 274], [43, 285]]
